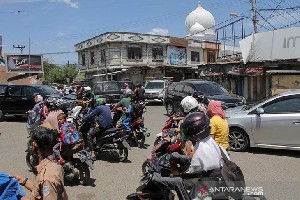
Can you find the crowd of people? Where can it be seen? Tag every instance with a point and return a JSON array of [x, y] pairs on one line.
[[202, 135]]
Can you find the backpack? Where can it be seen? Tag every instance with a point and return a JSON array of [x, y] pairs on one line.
[[233, 177], [69, 134]]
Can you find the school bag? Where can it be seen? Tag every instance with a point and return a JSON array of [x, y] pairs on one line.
[[69, 134], [233, 177]]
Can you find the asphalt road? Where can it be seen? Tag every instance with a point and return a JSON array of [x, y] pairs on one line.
[[275, 171]]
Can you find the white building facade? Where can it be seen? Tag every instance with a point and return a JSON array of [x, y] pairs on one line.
[[142, 57]]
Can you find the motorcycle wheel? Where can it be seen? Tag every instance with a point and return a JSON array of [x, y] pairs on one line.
[[145, 167], [122, 153], [31, 161], [82, 170]]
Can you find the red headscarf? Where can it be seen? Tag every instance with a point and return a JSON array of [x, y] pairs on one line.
[[215, 108]]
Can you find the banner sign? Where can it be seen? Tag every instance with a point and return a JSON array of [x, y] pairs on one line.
[[23, 63], [176, 56]]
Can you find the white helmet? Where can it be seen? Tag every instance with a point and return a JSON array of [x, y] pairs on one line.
[[189, 103], [38, 98]]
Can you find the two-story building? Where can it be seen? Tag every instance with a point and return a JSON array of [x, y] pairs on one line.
[[140, 57]]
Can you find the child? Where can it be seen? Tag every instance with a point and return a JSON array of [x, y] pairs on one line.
[[61, 119], [68, 135]]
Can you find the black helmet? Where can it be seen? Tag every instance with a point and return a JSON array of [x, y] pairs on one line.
[[196, 126], [201, 98]]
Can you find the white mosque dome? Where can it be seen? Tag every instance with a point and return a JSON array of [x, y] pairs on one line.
[[197, 29], [201, 16]]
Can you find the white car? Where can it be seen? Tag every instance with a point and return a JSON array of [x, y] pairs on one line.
[[154, 90], [272, 123]]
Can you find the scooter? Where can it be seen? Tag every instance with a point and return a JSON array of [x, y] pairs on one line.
[[113, 139]]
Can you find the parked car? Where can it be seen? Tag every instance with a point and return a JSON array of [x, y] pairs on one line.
[[19, 99], [109, 89], [154, 90], [213, 91], [272, 123]]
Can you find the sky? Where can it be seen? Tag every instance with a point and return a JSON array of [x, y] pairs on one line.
[[53, 27]]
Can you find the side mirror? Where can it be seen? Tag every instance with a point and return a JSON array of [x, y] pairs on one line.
[[260, 111]]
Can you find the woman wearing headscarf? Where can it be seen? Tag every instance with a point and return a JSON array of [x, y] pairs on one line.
[[219, 125]]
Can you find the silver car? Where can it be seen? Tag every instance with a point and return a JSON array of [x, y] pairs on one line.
[[272, 123]]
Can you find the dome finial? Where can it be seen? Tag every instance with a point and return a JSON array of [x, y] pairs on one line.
[[199, 4]]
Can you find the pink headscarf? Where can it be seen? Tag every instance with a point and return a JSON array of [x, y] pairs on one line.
[[215, 108]]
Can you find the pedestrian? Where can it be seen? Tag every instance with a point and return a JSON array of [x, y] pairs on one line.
[[219, 124], [49, 181]]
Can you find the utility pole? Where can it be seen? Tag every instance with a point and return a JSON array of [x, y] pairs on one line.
[[21, 47], [254, 20]]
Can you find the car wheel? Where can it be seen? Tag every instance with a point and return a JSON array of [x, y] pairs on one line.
[[169, 108], [238, 139], [1, 116]]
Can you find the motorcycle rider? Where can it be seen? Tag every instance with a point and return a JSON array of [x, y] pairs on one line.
[[124, 104], [139, 92], [202, 101], [54, 111], [49, 181], [38, 113], [219, 124], [104, 122], [205, 161]]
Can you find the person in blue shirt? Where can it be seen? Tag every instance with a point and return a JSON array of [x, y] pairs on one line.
[[104, 122]]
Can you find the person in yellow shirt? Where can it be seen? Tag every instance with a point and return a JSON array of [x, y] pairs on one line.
[[219, 125]]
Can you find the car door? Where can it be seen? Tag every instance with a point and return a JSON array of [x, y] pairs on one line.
[[29, 93], [14, 99], [178, 95], [279, 124]]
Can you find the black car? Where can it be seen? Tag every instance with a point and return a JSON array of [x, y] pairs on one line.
[[19, 99], [212, 91]]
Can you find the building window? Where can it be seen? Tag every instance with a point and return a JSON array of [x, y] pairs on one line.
[[103, 55], [157, 53], [134, 52], [195, 56], [211, 56], [83, 59], [92, 58]]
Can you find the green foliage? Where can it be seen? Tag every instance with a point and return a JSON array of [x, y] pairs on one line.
[[59, 74]]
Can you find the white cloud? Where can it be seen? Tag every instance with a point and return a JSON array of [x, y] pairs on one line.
[[68, 2], [60, 34], [159, 31], [18, 1]]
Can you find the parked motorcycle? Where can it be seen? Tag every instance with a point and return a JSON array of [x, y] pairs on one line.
[[113, 139]]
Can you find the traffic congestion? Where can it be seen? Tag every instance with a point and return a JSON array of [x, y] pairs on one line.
[[184, 159]]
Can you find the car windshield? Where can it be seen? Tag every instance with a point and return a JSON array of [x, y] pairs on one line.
[[211, 89], [155, 85], [47, 90], [104, 87]]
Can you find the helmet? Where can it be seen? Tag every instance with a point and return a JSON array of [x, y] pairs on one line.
[[128, 93], [52, 104], [196, 126], [38, 98], [99, 100], [188, 104]]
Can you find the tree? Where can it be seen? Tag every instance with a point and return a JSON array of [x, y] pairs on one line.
[[58, 74]]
